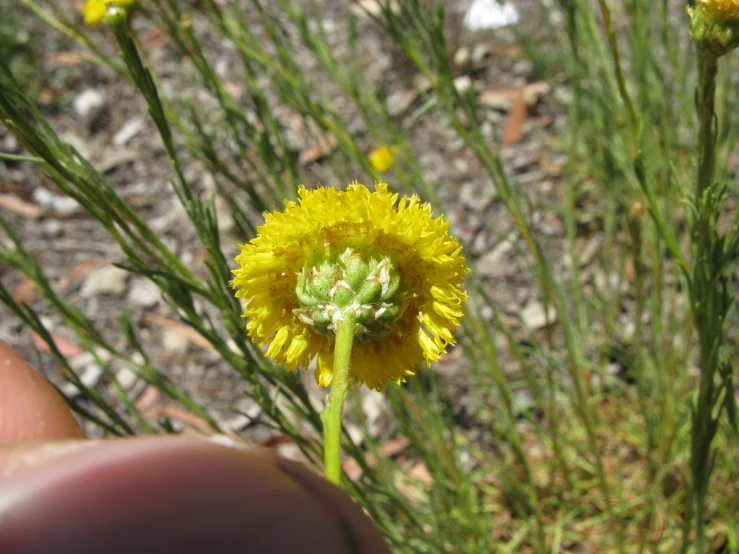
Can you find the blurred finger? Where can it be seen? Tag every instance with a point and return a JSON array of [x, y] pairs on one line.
[[30, 408], [177, 495]]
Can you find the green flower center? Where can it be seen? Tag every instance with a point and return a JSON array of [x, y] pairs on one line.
[[365, 285]]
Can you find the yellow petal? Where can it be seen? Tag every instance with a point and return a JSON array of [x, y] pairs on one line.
[[93, 11]]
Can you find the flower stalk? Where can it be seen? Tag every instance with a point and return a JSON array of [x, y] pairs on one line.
[[709, 301], [332, 413]]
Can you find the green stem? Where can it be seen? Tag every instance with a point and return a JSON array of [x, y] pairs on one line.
[[623, 91], [335, 406], [706, 301], [20, 158], [708, 68]]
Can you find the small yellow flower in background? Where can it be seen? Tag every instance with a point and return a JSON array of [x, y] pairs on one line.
[[94, 10], [382, 158], [387, 264], [721, 10]]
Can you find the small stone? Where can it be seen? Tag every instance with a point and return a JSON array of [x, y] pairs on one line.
[[486, 312], [462, 83], [461, 165], [43, 197], [479, 52], [535, 317], [225, 221], [523, 400], [87, 101], [469, 196], [493, 264], [10, 143], [462, 57], [222, 67], [589, 250], [89, 378], [249, 407], [175, 342], [563, 95], [81, 360], [105, 280], [131, 128], [144, 293], [399, 101], [127, 378], [65, 206], [237, 423], [92, 375], [51, 228], [356, 433], [104, 356], [60, 205], [247, 410], [523, 68]]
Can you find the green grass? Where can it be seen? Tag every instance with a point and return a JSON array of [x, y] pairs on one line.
[[594, 461]]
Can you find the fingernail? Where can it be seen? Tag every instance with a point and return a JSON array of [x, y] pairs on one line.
[[17, 458], [359, 532]]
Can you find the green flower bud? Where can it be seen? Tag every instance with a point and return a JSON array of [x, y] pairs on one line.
[[714, 25], [365, 285]]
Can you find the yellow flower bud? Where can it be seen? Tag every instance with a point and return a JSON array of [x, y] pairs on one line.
[[382, 158], [94, 10]]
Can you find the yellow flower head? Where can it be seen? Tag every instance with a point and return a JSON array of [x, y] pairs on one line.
[[726, 11], [389, 261], [94, 10], [382, 158]]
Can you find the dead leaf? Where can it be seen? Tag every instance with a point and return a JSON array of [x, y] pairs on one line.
[[513, 132], [352, 469], [148, 398], [276, 440], [393, 447], [66, 58], [180, 328], [66, 347], [324, 145], [24, 292], [21, 207]]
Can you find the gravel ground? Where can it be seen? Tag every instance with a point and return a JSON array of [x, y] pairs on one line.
[[106, 120]]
